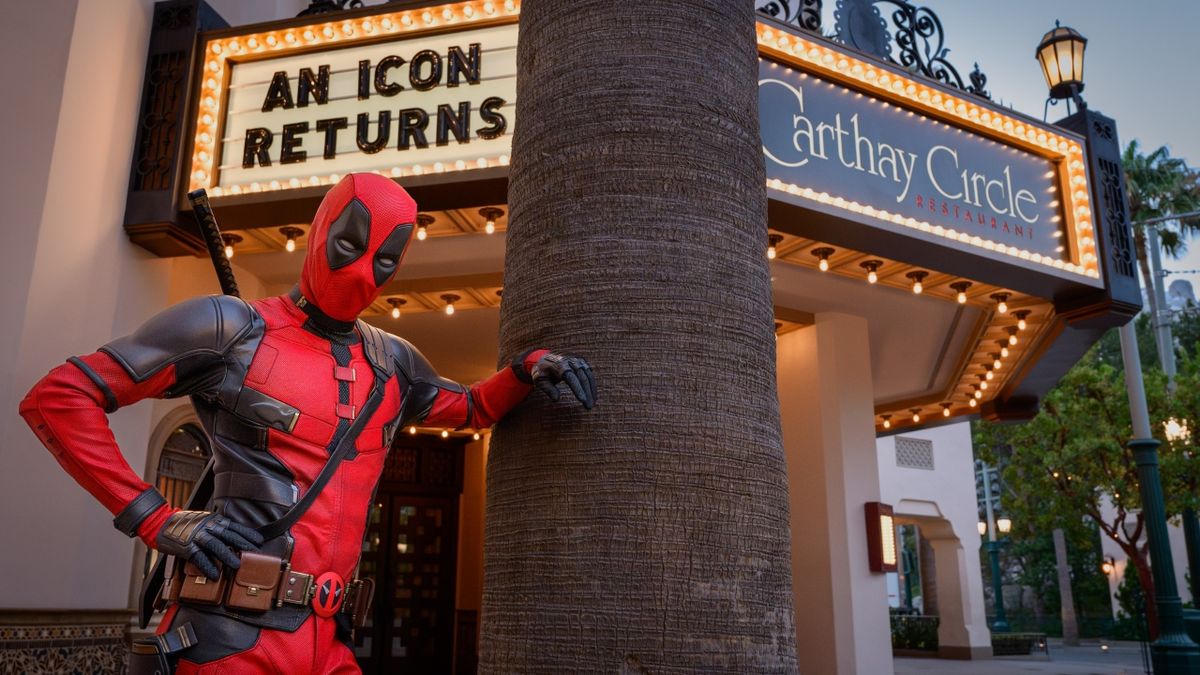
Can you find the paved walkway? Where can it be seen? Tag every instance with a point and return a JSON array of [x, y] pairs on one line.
[[1122, 658]]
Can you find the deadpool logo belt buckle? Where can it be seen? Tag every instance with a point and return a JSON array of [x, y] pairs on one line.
[[330, 592]]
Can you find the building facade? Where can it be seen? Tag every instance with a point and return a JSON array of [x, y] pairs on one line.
[[886, 320]]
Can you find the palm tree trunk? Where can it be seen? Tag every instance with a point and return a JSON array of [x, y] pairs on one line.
[[651, 533], [1143, 256]]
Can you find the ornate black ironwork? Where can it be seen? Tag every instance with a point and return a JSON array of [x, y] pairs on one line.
[[803, 13], [325, 6], [914, 39], [1112, 184]]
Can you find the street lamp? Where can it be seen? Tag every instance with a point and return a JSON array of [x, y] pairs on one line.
[[1004, 525], [1061, 55]]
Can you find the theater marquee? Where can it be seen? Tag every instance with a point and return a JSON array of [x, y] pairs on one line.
[[896, 153], [404, 94]]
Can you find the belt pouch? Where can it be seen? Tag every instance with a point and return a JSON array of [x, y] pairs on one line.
[[200, 589], [172, 582], [159, 655], [253, 587], [364, 593]]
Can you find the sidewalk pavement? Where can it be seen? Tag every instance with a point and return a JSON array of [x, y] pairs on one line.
[[1122, 658]]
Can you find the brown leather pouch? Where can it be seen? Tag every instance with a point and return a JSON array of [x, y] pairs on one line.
[[253, 587], [200, 589], [172, 582], [362, 593]]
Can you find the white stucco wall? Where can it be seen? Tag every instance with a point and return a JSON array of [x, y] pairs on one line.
[[1110, 549], [73, 280], [942, 502]]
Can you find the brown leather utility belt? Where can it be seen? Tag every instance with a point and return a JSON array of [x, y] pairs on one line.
[[264, 582]]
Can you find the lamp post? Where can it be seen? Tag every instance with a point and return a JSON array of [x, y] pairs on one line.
[[1060, 54], [1000, 625], [1178, 432]]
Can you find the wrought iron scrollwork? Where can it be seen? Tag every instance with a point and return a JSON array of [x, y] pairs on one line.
[[803, 13], [921, 46], [914, 39], [325, 6]]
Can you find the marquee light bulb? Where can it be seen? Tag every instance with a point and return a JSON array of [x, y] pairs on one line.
[[916, 415], [290, 233], [971, 402], [450, 299], [1012, 336], [989, 376], [945, 410], [1001, 302], [412, 431], [887, 421], [822, 254], [449, 309], [395, 312], [978, 394], [996, 364], [445, 434], [872, 268], [421, 233], [230, 240], [917, 279], [961, 287], [490, 214], [475, 436], [983, 385], [773, 240], [1021, 325], [424, 220], [1004, 349], [396, 303]]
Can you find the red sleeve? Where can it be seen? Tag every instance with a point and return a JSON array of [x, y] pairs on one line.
[[66, 409], [483, 403]]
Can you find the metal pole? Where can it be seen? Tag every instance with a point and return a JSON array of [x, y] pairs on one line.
[[1166, 354], [1162, 320], [1000, 625], [1173, 652]]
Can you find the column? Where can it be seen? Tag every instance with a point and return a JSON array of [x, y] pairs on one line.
[[827, 406]]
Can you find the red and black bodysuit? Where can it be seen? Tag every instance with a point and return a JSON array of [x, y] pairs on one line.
[[276, 383]]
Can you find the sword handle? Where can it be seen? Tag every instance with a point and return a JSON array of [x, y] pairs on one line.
[[202, 210]]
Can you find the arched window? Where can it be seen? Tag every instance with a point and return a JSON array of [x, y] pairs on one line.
[[184, 454]]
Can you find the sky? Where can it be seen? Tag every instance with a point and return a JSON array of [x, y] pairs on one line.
[[1139, 67]]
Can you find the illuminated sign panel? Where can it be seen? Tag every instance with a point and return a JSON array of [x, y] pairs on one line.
[[394, 93], [898, 153], [831, 139]]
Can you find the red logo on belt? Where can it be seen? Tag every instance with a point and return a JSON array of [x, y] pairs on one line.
[[330, 591]]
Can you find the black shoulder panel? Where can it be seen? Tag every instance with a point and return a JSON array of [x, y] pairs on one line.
[[376, 345], [194, 335]]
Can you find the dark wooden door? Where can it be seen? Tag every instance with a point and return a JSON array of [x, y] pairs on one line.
[[410, 549]]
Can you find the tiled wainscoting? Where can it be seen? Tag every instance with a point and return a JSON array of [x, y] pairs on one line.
[[63, 641]]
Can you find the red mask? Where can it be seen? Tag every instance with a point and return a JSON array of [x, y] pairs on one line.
[[357, 240]]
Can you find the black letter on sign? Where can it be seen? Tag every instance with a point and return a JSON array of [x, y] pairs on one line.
[[364, 80], [331, 127], [457, 64], [489, 110], [459, 125], [435, 70], [318, 86], [381, 138], [381, 71], [412, 127], [288, 154], [279, 93], [258, 141]]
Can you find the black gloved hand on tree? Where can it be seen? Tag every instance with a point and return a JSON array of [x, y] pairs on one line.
[[200, 536], [574, 370]]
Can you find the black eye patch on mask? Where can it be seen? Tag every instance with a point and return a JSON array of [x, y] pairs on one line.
[[387, 258], [348, 235]]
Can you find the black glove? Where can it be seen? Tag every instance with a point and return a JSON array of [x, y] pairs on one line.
[[196, 535], [574, 370]]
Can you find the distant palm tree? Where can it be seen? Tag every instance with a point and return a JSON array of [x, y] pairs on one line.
[[1160, 185], [649, 534]]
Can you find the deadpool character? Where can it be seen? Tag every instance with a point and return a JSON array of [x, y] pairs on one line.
[[301, 401]]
